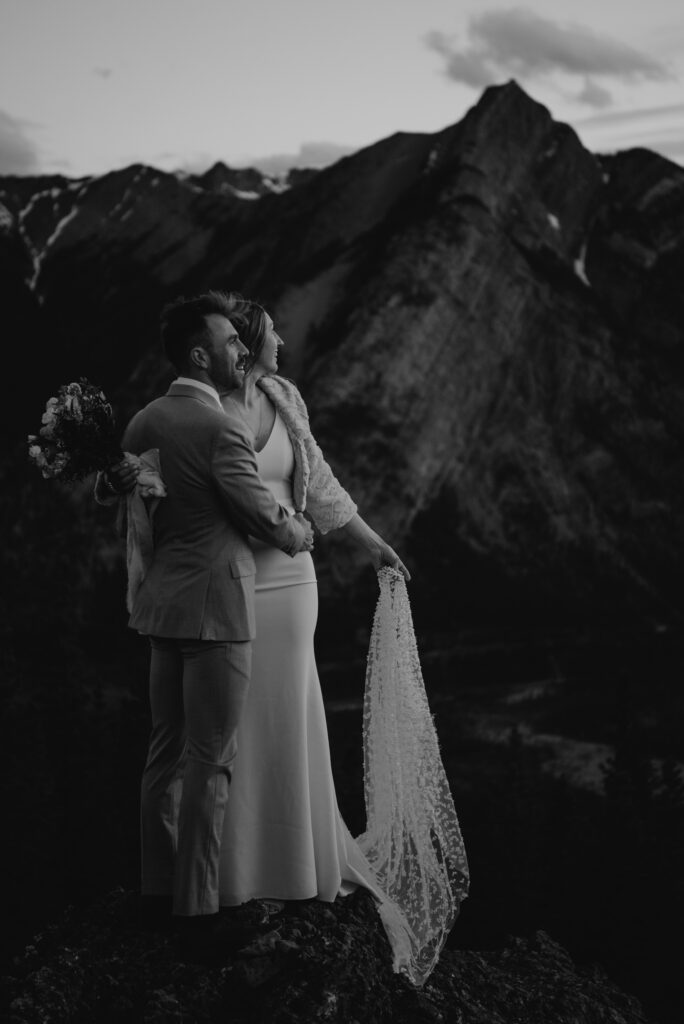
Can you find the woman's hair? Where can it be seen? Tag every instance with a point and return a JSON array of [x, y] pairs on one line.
[[249, 320]]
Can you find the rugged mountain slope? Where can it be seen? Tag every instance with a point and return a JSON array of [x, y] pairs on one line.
[[487, 324], [514, 353]]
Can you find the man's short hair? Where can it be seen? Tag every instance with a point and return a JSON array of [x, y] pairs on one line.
[[184, 324]]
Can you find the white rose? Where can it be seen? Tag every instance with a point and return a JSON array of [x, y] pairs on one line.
[[72, 405]]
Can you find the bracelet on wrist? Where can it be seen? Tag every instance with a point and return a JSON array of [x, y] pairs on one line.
[[108, 484]]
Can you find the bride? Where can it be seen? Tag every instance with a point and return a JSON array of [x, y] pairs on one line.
[[283, 837]]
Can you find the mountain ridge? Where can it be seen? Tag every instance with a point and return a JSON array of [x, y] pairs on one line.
[[486, 323]]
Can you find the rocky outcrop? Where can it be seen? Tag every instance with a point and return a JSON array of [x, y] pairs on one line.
[[245, 182], [321, 962]]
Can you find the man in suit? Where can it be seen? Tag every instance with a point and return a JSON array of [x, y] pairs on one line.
[[196, 601]]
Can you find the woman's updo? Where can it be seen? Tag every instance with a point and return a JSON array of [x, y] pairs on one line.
[[249, 320]]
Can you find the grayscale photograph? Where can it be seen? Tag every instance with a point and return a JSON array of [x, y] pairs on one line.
[[342, 494]]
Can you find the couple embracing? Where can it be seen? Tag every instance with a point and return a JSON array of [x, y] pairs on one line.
[[237, 796]]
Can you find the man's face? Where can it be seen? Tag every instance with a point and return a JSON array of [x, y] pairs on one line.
[[226, 354]]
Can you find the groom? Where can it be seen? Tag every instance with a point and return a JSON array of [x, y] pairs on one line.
[[196, 602]]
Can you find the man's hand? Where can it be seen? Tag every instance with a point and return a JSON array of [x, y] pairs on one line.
[[308, 542], [122, 477]]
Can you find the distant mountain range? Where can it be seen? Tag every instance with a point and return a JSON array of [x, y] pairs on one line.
[[487, 324]]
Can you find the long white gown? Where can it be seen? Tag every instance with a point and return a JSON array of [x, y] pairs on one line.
[[284, 837]]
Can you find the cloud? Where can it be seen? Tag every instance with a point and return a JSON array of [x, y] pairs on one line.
[[311, 154], [171, 161], [674, 111], [657, 128], [18, 152], [594, 94], [523, 44], [469, 65], [103, 72]]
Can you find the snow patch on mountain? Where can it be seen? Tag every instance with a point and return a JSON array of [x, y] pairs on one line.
[[38, 257], [276, 185], [6, 219], [579, 266]]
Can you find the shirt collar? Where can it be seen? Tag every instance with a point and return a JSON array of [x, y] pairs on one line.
[[202, 386]]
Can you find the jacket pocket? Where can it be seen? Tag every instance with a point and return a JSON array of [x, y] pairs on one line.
[[242, 567]]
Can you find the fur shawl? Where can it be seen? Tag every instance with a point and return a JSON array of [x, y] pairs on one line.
[[314, 486]]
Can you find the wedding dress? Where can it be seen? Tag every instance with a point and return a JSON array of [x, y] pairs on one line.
[[283, 835]]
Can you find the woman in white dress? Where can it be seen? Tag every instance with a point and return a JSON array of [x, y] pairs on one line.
[[284, 838]]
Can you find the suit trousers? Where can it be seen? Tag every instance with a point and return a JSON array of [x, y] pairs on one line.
[[197, 692]]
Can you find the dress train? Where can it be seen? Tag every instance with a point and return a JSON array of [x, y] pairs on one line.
[[283, 836]]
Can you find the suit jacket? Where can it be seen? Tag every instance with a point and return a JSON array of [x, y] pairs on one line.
[[200, 584]]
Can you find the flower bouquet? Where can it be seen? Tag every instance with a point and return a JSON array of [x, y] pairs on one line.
[[78, 435]]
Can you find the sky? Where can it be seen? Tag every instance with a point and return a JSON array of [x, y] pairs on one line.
[[89, 86]]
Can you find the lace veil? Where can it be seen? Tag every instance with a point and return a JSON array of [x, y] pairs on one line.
[[412, 840]]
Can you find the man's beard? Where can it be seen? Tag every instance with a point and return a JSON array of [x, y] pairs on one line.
[[223, 378]]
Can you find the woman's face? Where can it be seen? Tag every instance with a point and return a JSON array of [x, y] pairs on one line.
[[268, 357]]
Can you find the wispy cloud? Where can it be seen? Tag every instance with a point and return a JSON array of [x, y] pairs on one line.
[[18, 152], [526, 45], [670, 110], [195, 163], [659, 128], [594, 94], [311, 154]]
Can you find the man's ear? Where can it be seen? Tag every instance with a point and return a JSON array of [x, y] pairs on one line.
[[199, 357]]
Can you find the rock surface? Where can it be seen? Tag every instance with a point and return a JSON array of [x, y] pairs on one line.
[[319, 963]]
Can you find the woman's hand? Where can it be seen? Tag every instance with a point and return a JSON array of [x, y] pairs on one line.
[[385, 555], [379, 551]]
